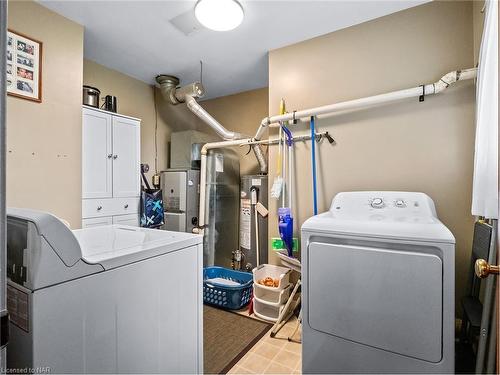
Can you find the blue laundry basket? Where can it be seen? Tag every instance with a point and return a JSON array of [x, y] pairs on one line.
[[227, 296]]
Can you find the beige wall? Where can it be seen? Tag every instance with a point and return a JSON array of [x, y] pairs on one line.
[[44, 139], [407, 146], [135, 98], [478, 24]]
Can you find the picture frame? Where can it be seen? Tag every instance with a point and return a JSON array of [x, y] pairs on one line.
[[24, 66]]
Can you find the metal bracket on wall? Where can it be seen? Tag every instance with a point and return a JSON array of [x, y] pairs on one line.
[[421, 98]]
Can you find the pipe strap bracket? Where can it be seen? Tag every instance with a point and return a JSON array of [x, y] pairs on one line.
[[421, 98]]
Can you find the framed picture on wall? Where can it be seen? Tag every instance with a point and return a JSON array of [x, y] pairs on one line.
[[24, 66]]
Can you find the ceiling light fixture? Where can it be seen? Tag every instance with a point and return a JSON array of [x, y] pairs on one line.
[[219, 15]]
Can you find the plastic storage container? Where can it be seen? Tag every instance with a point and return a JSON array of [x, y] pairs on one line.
[[270, 297], [226, 288], [265, 311], [276, 272]]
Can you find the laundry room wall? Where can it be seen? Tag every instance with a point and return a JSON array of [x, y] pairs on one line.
[[410, 145], [44, 139]]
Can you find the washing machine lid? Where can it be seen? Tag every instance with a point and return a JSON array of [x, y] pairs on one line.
[[116, 245], [382, 214]]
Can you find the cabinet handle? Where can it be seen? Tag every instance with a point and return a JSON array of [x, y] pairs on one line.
[[115, 156], [126, 206], [110, 156], [99, 208]]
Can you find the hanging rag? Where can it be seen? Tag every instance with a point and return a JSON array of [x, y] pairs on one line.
[[485, 182]]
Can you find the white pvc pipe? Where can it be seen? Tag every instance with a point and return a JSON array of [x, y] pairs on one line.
[[429, 89]]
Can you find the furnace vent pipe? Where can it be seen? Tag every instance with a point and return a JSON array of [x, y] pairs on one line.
[[200, 112], [188, 94]]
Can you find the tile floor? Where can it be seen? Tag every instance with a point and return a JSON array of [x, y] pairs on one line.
[[273, 355]]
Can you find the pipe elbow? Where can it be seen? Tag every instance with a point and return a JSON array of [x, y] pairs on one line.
[[445, 81], [204, 150], [262, 128]]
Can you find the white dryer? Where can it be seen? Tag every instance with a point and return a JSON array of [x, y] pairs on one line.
[[378, 275]]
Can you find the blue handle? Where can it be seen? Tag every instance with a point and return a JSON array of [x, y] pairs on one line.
[[289, 136]]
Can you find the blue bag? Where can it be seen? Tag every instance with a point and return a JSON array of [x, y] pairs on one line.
[[151, 204]]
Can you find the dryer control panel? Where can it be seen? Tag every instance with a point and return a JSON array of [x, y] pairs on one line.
[[397, 203]]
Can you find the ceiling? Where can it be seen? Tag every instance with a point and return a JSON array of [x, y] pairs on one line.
[[138, 39]]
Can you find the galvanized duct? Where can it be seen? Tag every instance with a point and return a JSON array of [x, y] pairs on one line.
[[188, 94]]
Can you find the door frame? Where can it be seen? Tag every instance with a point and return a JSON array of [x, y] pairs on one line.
[[3, 218]]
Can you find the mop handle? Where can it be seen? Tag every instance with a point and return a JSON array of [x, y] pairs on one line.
[[313, 159]]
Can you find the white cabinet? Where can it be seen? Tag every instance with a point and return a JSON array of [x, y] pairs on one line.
[[126, 163], [110, 168], [97, 221], [97, 155], [132, 220]]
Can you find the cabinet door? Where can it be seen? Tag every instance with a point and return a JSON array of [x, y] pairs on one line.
[[97, 176], [132, 220], [126, 157], [97, 222]]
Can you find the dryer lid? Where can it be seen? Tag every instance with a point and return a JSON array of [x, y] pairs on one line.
[[382, 214]]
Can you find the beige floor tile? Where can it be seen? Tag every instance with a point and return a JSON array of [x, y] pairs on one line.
[[255, 363], [299, 365], [294, 347], [276, 341], [234, 370], [276, 368], [242, 359], [239, 370], [286, 330], [266, 350], [288, 359]]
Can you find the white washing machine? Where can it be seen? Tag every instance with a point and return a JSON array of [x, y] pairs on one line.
[[378, 286], [109, 299]]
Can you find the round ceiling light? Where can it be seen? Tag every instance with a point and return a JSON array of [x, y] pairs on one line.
[[219, 15]]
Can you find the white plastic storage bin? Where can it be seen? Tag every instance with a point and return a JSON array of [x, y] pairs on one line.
[[265, 311], [271, 297], [276, 272]]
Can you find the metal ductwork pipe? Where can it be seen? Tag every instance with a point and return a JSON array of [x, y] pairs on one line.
[[188, 94], [175, 95], [259, 154], [198, 110]]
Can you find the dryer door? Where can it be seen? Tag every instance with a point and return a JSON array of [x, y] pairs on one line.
[[387, 299]]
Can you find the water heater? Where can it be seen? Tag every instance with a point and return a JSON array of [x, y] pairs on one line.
[[255, 185]]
